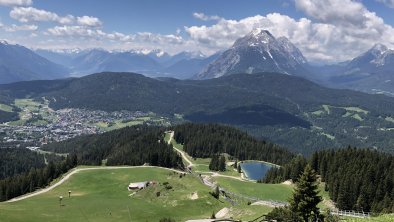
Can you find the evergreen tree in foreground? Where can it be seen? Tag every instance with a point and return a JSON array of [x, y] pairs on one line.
[[303, 204], [305, 197]]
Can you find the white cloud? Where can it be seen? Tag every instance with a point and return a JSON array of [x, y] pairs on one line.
[[142, 37], [389, 3], [333, 30], [74, 31], [30, 14], [14, 28], [341, 30], [344, 12], [204, 17], [15, 2], [89, 21]]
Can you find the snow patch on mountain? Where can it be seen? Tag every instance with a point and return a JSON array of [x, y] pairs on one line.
[[259, 51]]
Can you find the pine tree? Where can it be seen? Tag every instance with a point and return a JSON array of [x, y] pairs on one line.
[[305, 197], [239, 168], [213, 165], [222, 163]]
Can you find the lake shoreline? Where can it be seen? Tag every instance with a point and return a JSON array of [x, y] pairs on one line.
[[255, 170]]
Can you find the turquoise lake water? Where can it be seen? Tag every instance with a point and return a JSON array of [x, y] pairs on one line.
[[255, 170]]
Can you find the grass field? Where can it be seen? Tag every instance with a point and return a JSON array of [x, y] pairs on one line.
[[277, 192], [29, 106], [120, 124], [102, 195], [5, 108], [353, 112]]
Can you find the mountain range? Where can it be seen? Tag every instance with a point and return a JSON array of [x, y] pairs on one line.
[[150, 62], [258, 51]]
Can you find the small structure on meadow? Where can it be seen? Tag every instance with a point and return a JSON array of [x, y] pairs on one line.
[[138, 185]]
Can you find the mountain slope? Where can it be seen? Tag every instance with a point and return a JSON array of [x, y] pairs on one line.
[[61, 57], [187, 68], [18, 63], [259, 51], [149, 62], [370, 72], [303, 115], [100, 60]]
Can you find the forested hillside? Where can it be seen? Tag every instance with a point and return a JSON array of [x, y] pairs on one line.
[[208, 140], [357, 179], [16, 161], [35, 178], [8, 116], [128, 146], [286, 110]]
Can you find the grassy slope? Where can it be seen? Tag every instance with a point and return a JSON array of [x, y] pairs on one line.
[[277, 192], [5, 108], [101, 195]]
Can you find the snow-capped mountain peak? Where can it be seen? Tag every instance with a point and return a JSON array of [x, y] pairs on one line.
[[255, 38], [4, 42], [260, 34], [378, 49], [258, 51], [382, 54], [377, 56]]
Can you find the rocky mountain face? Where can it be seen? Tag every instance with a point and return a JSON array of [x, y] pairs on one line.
[[259, 51]]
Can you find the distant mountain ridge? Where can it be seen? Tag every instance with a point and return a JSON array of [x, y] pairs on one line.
[[150, 62], [258, 51], [18, 63], [372, 72]]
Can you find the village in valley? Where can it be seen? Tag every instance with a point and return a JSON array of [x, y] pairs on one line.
[[38, 124]]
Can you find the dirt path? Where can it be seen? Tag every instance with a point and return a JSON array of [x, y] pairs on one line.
[[76, 170], [190, 163], [184, 156], [226, 176]]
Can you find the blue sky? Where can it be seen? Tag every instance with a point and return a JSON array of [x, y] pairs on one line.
[[325, 31]]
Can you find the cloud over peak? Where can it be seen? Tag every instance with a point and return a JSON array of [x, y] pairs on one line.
[[330, 31], [335, 30]]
